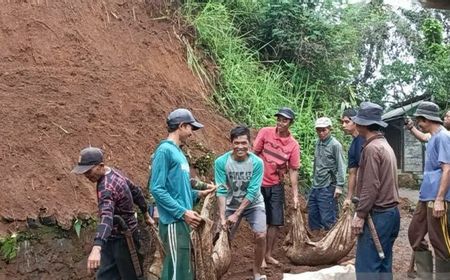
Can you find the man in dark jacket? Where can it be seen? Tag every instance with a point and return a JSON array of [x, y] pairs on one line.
[[116, 195]]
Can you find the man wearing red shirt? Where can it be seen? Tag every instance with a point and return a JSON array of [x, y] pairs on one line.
[[280, 153]]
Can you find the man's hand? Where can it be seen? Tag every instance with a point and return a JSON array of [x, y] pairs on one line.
[[357, 225], [94, 259], [204, 193], [192, 218], [232, 219], [409, 124], [148, 220], [438, 209], [337, 192], [347, 203], [223, 223], [211, 186]]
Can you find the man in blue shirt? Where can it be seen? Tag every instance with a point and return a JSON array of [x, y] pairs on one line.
[[354, 152], [170, 186], [238, 174], [432, 211]]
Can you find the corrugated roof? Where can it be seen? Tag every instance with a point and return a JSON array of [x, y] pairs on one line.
[[400, 112]]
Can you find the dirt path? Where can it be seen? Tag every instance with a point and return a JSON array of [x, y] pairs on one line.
[[243, 250]]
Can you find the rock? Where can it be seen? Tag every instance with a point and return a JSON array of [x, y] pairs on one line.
[[49, 220], [407, 180], [32, 223]]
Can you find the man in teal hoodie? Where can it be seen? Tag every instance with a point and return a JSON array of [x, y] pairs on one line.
[[170, 186]]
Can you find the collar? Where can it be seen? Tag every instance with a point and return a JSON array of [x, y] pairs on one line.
[[326, 141], [281, 137], [379, 135]]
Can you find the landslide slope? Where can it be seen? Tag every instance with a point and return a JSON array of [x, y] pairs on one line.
[[79, 73]]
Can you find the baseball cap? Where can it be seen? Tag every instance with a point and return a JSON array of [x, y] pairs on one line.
[[286, 112], [323, 122], [349, 113], [89, 157], [182, 115]]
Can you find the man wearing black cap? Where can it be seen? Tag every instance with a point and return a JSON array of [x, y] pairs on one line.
[[432, 211], [116, 195], [280, 153], [171, 188], [377, 190]]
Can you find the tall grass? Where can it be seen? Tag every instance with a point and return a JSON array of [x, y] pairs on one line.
[[251, 92]]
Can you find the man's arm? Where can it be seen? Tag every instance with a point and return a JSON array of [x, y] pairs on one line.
[[157, 185], [419, 135], [340, 162], [221, 202], [370, 183], [222, 190], [200, 185], [351, 184], [106, 209], [293, 177], [258, 144], [138, 196]]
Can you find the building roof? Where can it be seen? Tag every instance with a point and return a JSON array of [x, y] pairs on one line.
[[400, 112]]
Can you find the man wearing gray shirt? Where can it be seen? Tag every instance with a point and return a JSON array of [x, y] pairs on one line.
[[238, 175], [328, 178]]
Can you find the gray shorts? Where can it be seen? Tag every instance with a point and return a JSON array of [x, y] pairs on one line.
[[256, 217]]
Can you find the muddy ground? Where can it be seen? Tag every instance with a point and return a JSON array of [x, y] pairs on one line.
[[243, 252]]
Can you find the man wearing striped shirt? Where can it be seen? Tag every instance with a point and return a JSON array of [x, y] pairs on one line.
[[116, 195]]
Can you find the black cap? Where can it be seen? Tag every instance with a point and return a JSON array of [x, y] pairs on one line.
[[182, 115], [286, 112], [349, 113], [89, 157], [429, 111]]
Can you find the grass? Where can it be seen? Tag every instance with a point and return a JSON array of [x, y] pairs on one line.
[[249, 91], [9, 247]]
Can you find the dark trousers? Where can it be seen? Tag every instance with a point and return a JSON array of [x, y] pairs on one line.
[[368, 264], [438, 230], [321, 208], [115, 262]]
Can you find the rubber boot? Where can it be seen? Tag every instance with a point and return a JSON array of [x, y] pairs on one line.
[[442, 269], [424, 264]]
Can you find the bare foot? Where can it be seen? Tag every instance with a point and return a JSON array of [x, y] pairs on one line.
[[271, 260]]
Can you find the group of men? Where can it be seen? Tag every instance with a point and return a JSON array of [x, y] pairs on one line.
[[249, 183]]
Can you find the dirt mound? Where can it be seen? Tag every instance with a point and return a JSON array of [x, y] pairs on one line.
[[79, 73]]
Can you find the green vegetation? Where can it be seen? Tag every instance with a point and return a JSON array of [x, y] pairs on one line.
[[8, 247], [317, 57]]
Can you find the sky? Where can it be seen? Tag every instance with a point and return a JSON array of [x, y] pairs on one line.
[[407, 4]]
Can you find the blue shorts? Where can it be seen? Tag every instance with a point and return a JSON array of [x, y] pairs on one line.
[[256, 217]]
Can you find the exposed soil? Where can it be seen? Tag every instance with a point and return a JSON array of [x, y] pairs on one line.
[[102, 73], [80, 73]]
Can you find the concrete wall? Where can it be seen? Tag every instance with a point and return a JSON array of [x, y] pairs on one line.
[[413, 154]]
